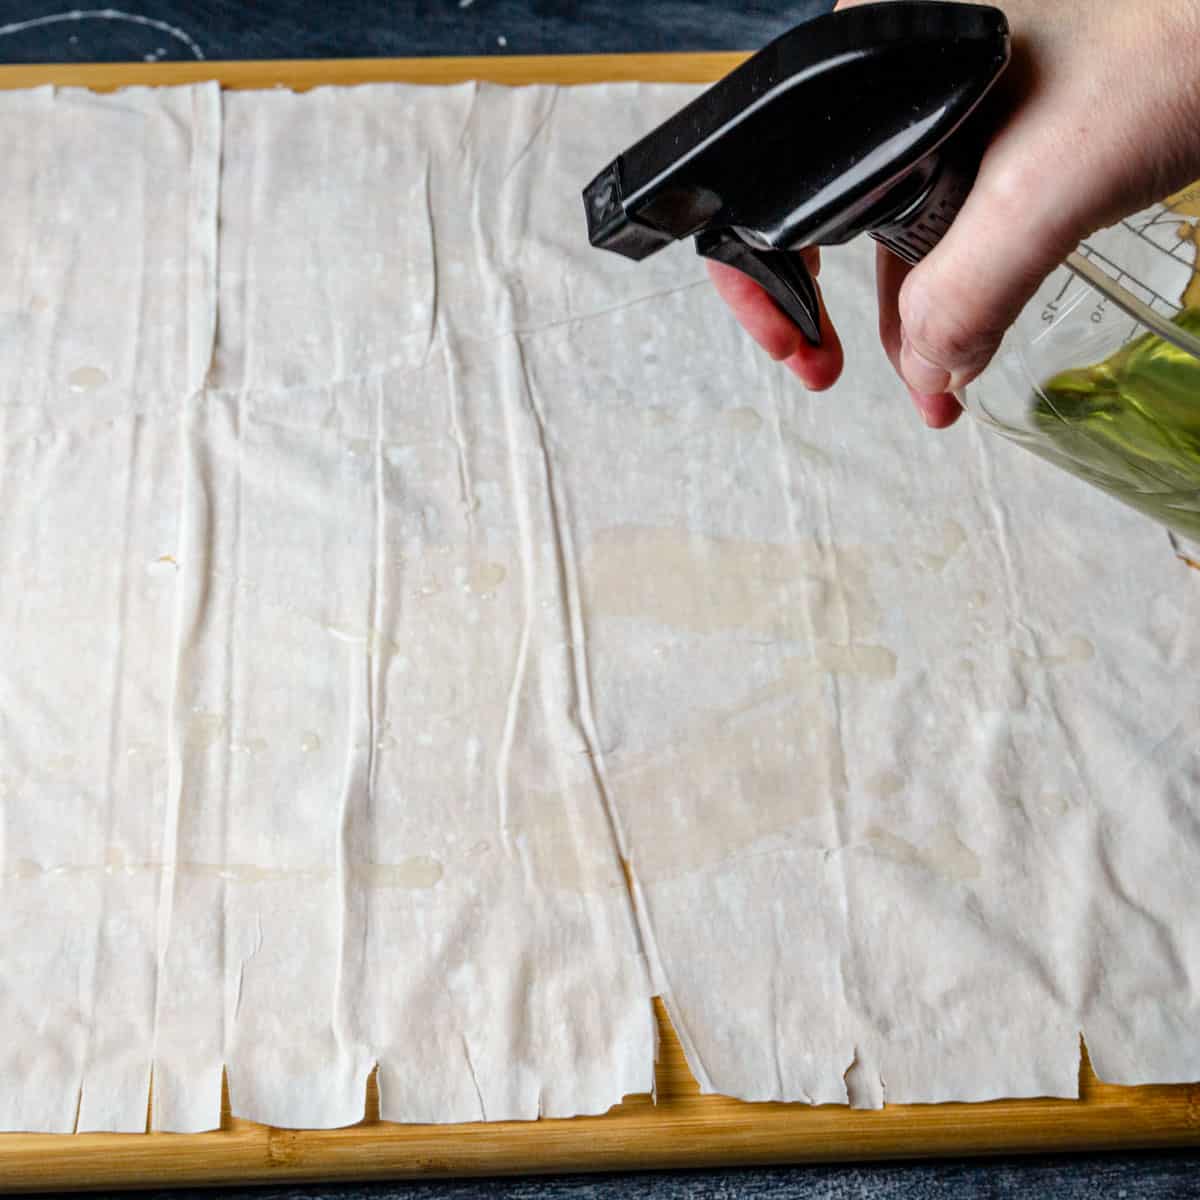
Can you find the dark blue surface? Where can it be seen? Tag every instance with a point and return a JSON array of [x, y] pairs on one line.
[[226, 29], [50, 31], [1147, 1177]]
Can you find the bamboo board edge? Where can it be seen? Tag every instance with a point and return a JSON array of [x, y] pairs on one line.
[[302, 74]]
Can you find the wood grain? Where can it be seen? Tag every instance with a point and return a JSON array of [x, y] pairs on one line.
[[302, 74], [683, 1128]]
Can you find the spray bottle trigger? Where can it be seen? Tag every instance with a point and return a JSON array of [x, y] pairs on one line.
[[782, 275]]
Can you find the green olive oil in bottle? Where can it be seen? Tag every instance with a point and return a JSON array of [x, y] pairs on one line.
[[1131, 425]]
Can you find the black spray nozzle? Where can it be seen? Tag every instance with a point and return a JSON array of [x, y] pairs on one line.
[[609, 226], [851, 123]]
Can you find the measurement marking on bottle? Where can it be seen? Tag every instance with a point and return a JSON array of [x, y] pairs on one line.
[[1051, 309], [1113, 270], [1171, 250]]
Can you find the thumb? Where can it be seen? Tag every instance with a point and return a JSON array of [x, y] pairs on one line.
[[955, 305]]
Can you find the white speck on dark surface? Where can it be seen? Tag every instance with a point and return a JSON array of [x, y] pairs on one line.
[[103, 14], [228, 30]]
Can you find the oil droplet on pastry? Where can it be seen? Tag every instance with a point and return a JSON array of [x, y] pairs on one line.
[[416, 873], [1075, 649], [743, 420], [86, 379], [953, 538], [874, 662], [484, 577], [205, 729], [806, 452], [374, 641], [885, 783], [165, 564], [1055, 804], [310, 742], [250, 746]]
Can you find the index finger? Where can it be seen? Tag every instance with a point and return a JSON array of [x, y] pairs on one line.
[[817, 367]]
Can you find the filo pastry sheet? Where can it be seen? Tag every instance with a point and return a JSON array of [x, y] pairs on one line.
[[424, 639]]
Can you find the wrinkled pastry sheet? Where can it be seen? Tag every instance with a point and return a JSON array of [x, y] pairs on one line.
[[381, 566]]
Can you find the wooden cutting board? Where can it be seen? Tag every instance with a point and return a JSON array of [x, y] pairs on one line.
[[681, 1128]]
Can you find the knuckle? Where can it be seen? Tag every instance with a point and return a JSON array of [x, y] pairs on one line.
[[1011, 186], [946, 328]]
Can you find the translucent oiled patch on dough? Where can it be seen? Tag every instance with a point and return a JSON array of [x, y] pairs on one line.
[[485, 577], [732, 785], [803, 590], [87, 379], [417, 872], [952, 538], [563, 836], [204, 729], [945, 853], [255, 872], [770, 766], [804, 452], [1074, 649], [873, 662], [796, 674], [885, 783], [742, 420]]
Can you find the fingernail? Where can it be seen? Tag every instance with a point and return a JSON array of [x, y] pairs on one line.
[[920, 373]]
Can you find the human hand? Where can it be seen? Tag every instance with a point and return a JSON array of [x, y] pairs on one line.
[[1103, 119]]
